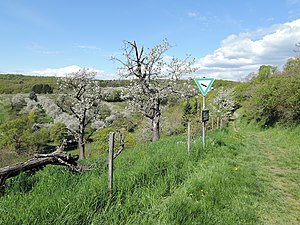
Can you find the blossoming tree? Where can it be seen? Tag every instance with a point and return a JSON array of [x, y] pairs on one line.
[[80, 97], [154, 77], [223, 103]]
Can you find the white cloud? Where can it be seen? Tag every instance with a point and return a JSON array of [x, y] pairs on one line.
[[197, 16], [60, 72], [192, 14], [88, 47], [34, 47], [241, 54]]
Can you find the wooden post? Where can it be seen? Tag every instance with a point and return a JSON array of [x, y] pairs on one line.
[[218, 119], [203, 124], [110, 161], [189, 139], [212, 122], [221, 122]]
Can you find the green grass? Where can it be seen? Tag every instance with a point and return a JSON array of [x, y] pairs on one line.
[[281, 149], [230, 182], [4, 109]]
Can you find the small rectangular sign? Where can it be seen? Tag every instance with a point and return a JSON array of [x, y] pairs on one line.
[[205, 115]]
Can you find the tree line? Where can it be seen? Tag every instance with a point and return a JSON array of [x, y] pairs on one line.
[[272, 96]]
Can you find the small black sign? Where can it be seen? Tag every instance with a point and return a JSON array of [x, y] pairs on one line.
[[205, 115]]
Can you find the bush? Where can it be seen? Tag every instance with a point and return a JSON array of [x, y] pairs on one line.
[[32, 96], [276, 98], [17, 135], [101, 138], [114, 96], [124, 123], [42, 89], [58, 133], [17, 102]]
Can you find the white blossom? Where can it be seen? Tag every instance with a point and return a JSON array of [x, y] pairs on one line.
[[223, 103]]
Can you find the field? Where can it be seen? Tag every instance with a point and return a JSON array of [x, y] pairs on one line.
[[249, 172], [244, 176]]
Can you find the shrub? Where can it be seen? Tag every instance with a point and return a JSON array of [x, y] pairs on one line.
[[277, 100], [33, 96], [17, 102], [101, 138], [114, 96], [42, 89], [58, 132]]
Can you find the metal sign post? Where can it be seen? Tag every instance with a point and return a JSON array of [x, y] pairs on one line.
[[204, 122], [204, 85]]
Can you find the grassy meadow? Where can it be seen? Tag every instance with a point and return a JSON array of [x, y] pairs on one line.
[[243, 176], [249, 172]]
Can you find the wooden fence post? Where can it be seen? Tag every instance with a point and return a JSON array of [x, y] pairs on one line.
[[189, 139], [110, 161]]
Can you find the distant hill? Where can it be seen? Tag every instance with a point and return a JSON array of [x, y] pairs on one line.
[[17, 83]]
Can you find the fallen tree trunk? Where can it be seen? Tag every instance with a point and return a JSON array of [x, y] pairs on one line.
[[39, 161]]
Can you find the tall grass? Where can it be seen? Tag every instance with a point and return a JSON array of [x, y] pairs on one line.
[[153, 184]]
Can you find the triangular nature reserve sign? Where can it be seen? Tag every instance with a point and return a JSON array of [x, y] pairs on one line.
[[204, 84]]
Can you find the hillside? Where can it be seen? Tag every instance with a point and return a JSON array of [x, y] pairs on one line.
[[17, 83], [248, 174], [244, 176]]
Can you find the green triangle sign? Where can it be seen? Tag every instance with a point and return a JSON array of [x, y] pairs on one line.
[[204, 84]]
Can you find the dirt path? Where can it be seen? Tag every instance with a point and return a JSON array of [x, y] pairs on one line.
[[283, 178], [280, 149]]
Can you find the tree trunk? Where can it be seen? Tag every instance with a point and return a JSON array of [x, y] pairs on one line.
[[155, 127], [81, 146], [38, 162]]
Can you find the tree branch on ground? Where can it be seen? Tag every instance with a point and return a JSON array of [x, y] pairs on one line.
[[59, 157]]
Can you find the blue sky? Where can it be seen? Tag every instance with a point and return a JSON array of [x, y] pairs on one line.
[[229, 39]]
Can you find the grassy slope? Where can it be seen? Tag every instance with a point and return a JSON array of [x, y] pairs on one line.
[[281, 149], [243, 177]]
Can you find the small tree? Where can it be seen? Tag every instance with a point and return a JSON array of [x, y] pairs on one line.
[[187, 111], [18, 135], [58, 133], [292, 67], [11, 134], [33, 96], [154, 78], [265, 72], [223, 103], [81, 98]]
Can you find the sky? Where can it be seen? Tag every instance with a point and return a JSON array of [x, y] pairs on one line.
[[229, 39]]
